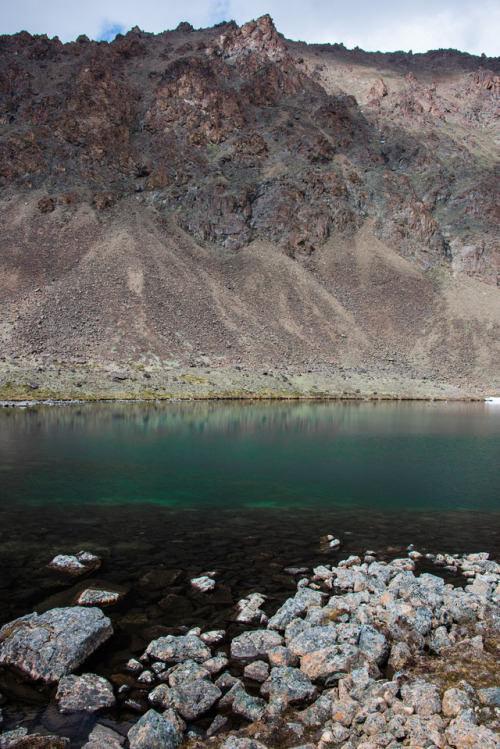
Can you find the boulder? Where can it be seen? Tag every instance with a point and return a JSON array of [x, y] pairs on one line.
[[329, 662], [75, 564], [296, 606], [373, 645], [455, 701], [422, 697], [103, 737], [257, 670], [289, 685], [53, 644], [176, 649], [87, 692], [249, 611], [186, 672], [251, 708], [195, 698], [253, 646], [312, 639], [153, 731]]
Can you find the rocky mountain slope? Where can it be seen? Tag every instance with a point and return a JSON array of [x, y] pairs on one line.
[[228, 198]]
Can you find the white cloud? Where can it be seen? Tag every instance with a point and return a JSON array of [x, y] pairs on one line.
[[384, 25]]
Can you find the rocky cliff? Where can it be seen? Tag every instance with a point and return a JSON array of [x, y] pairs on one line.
[[226, 197]]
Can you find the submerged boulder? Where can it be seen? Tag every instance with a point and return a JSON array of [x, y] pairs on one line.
[[53, 644], [75, 564]]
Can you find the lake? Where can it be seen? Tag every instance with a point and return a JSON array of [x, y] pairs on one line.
[[165, 492]]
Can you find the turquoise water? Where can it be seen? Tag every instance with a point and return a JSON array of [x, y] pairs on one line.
[[383, 456], [166, 492]]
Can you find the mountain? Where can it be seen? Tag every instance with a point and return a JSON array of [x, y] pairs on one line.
[[237, 202]]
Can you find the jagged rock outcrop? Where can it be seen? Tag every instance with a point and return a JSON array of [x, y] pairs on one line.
[[229, 139]]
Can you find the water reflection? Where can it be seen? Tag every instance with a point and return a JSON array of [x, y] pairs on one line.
[[368, 456]]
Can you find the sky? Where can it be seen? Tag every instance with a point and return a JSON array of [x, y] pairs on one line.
[[386, 25]]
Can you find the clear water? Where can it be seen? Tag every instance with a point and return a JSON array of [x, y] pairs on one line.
[[242, 489]]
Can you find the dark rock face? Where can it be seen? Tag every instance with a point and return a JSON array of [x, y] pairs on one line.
[[52, 645]]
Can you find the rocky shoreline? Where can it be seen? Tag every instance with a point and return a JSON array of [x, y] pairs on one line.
[[365, 654], [29, 381]]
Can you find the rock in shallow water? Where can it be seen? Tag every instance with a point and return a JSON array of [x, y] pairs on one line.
[[98, 597], [103, 737], [87, 692], [52, 645], [75, 564], [204, 584]]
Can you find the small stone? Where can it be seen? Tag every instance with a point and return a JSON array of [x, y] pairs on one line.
[[75, 564], [258, 671], [186, 672], [227, 681], [147, 677], [174, 717], [217, 725], [133, 666], [281, 656], [373, 645], [312, 639], [329, 662], [67, 563], [216, 664], [249, 611], [235, 742], [158, 667], [161, 697], [95, 597], [400, 652], [133, 705], [213, 637], [204, 584], [294, 607]]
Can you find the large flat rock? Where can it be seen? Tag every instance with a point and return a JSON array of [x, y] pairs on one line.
[[52, 645]]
